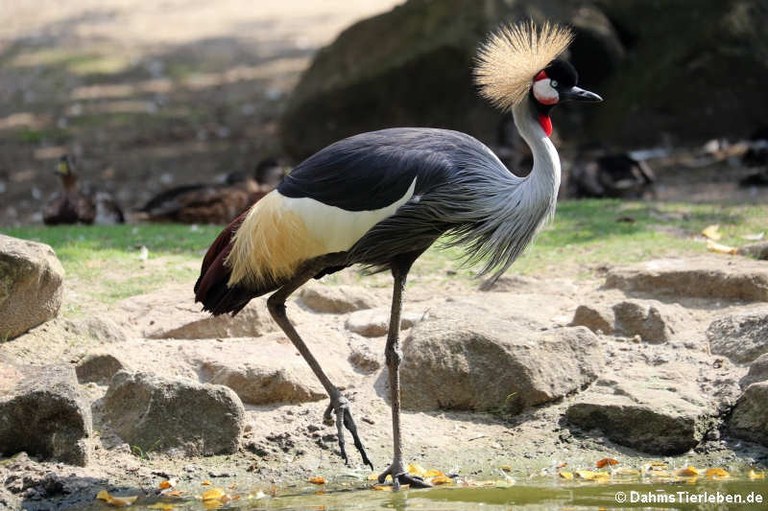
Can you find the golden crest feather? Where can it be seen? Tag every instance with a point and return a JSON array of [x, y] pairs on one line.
[[513, 55]]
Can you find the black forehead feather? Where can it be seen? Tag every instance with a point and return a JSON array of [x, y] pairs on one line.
[[563, 72]]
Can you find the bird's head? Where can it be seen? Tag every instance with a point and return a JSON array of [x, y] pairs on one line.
[[64, 166], [520, 62]]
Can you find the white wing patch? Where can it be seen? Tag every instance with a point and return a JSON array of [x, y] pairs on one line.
[[337, 228]]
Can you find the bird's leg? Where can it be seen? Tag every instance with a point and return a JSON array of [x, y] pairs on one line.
[[339, 404], [393, 356]]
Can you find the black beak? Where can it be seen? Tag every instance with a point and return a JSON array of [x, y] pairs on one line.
[[579, 94]]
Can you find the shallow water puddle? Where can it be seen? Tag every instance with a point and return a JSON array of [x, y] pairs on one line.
[[563, 495]]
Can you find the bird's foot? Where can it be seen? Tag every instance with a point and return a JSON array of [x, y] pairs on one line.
[[400, 477], [340, 407]]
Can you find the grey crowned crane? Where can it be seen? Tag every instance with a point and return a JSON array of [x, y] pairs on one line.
[[380, 199]]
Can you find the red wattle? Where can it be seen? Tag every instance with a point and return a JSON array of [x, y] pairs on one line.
[[546, 124]]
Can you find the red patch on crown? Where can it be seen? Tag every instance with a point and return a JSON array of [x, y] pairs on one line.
[[540, 76], [546, 124]]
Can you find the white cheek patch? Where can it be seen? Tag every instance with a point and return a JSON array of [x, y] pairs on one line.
[[544, 92]]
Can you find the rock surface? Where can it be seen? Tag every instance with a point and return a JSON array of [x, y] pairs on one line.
[[750, 416], [649, 320], [30, 285], [98, 368], [645, 318], [758, 371], [489, 365], [152, 413], [262, 384], [368, 79], [740, 337], [655, 413], [45, 404], [713, 278], [337, 299], [375, 322]]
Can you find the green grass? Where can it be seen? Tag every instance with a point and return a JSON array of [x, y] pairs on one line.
[[103, 261]]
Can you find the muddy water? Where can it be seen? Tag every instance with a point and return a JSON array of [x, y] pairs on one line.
[[692, 495]]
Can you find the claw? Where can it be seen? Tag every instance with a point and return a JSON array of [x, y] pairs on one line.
[[400, 477], [340, 406]]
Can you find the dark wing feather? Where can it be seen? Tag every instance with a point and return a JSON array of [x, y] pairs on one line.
[[372, 170]]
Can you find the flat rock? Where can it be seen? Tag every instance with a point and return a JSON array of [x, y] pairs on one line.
[[649, 319], [714, 278], [375, 322], [154, 413], [750, 416], [658, 413], [338, 299], [42, 413], [740, 337], [488, 364], [171, 313], [98, 368], [758, 371], [30, 285], [266, 384], [598, 318]]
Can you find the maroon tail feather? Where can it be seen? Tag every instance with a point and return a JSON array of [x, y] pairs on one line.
[[211, 287]]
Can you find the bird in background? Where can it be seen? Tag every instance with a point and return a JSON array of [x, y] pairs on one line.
[[380, 199], [214, 203], [72, 205], [596, 172]]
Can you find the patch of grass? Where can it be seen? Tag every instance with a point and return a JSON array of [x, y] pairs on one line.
[[103, 261], [590, 233]]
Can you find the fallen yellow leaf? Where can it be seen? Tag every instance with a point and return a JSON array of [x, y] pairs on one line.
[[317, 480], [214, 494], [719, 248], [441, 480], [589, 475], [381, 487], [115, 501], [688, 471], [206, 483], [712, 232], [755, 475], [565, 475], [717, 473], [163, 506], [416, 470], [606, 462], [170, 492]]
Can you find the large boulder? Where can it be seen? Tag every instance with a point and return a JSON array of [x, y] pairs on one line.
[[413, 67], [461, 364], [740, 337], [712, 278], [152, 413], [708, 83], [30, 285], [750, 415], [43, 414]]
